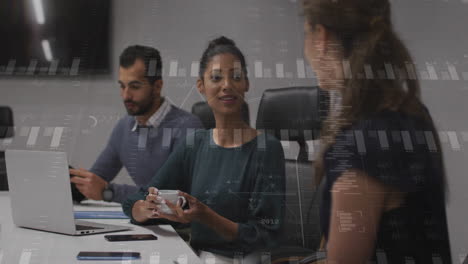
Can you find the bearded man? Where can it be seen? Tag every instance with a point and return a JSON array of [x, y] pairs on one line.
[[141, 141]]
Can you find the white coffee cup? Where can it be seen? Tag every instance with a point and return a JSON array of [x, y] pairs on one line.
[[173, 197]]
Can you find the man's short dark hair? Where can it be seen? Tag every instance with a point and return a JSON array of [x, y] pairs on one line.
[[150, 56]]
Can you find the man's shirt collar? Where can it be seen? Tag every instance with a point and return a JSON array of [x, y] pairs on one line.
[[156, 119]]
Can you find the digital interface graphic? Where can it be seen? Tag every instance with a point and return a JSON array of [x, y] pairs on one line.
[[61, 80]]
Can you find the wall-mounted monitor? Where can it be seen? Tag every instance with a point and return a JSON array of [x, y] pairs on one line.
[[55, 37]]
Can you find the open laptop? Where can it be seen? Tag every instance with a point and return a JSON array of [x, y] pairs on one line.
[[40, 194]]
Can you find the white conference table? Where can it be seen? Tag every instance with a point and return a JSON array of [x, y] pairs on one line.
[[27, 246]]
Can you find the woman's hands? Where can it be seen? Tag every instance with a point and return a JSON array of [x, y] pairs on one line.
[[143, 210], [150, 208], [197, 210]]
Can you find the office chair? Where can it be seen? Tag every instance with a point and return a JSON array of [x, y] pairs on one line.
[[6, 131], [6, 122], [295, 114], [203, 111]]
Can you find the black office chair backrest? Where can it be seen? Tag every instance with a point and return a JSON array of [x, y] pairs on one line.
[[6, 131], [6, 122], [3, 175], [204, 112], [295, 114]]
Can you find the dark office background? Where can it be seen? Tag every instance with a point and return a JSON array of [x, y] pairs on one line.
[[76, 113]]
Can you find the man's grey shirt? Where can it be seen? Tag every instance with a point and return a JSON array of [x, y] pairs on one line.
[[142, 151]]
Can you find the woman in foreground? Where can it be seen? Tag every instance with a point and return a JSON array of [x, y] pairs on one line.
[[381, 159]]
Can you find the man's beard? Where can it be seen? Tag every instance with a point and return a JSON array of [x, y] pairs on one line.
[[141, 108]]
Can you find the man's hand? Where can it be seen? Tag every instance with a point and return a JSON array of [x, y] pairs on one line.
[[88, 183]]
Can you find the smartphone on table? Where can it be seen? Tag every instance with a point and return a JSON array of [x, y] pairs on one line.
[[132, 237], [96, 255]]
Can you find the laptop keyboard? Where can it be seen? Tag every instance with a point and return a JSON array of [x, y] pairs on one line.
[[83, 227]]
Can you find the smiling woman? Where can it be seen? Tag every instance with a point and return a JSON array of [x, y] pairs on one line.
[[223, 80], [232, 176]]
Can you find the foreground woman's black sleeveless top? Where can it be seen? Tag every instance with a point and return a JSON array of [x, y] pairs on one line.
[[400, 151]]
